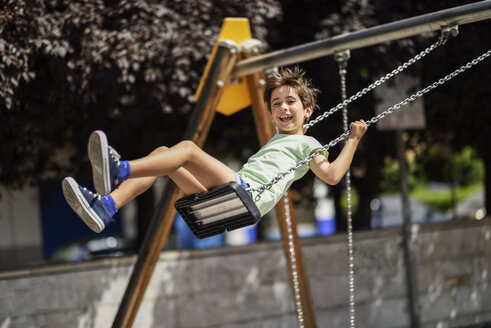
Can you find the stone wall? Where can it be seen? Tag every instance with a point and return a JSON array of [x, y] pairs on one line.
[[247, 286]]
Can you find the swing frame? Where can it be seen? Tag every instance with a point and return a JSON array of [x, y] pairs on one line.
[[224, 69]]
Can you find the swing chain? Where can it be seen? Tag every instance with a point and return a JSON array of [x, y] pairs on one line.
[[432, 86], [293, 263], [446, 34], [373, 120], [442, 40], [342, 59]]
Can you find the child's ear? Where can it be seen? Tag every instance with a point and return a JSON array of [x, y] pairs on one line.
[[308, 111]]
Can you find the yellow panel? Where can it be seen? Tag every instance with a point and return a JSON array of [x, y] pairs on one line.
[[235, 96]]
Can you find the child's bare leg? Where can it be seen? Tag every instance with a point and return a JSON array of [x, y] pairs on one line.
[[208, 171], [192, 170], [133, 187], [129, 189]]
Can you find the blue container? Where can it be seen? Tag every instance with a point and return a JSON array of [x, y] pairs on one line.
[[242, 236], [326, 226]]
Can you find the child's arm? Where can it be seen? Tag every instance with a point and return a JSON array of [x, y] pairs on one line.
[[332, 173]]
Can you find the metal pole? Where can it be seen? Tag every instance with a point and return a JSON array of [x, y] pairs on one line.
[[161, 223], [284, 210], [374, 35], [411, 278], [342, 60]]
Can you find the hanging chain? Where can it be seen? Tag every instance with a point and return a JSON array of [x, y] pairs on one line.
[[373, 120], [293, 263], [342, 59], [432, 86], [446, 34]]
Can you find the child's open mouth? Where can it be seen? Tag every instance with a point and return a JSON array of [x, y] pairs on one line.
[[286, 118]]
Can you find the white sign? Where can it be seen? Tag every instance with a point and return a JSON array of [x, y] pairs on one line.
[[409, 117]]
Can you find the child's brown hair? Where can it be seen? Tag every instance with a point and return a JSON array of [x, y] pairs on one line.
[[293, 77]]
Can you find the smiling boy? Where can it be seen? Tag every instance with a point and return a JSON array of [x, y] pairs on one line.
[[290, 99]]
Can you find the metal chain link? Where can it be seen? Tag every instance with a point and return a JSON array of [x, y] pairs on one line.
[[441, 41], [342, 59], [293, 263], [373, 120]]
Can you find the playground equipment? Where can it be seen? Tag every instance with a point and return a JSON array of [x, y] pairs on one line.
[[235, 59]]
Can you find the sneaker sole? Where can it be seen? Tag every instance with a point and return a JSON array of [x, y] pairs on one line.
[[99, 159], [79, 205]]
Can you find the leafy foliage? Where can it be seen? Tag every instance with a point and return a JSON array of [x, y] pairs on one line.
[[433, 165], [131, 68], [128, 67]]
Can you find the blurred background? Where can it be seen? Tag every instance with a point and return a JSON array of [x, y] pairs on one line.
[[131, 69]]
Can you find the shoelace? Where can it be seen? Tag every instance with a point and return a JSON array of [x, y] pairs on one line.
[[116, 157], [93, 194], [114, 154], [98, 197]]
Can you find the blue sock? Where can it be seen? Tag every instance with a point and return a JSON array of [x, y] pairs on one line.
[[124, 171], [109, 205]]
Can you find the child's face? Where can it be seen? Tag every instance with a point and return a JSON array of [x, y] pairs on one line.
[[287, 110]]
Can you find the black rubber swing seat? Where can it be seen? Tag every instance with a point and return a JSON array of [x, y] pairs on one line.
[[226, 207]]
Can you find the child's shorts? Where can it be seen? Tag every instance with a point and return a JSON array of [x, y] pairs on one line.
[[240, 181]]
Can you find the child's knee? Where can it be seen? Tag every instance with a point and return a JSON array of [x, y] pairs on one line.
[[159, 150], [190, 150], [188, 146]]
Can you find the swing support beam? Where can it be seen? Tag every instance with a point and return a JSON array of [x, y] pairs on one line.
[[161, 223], [291, 247], [224, 68], [401, 29]]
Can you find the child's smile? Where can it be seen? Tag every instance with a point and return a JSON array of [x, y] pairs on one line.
[[286, 118], [287, 110]]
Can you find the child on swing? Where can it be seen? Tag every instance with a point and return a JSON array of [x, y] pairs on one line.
[[290, 99]]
